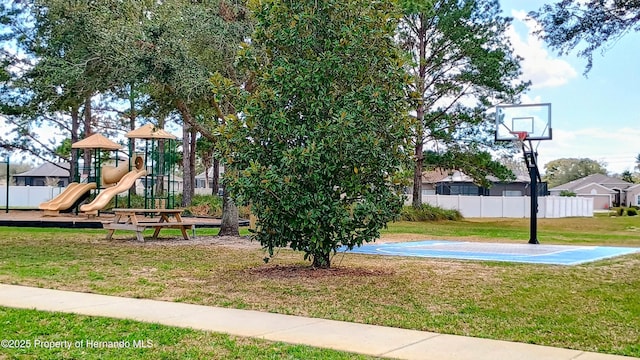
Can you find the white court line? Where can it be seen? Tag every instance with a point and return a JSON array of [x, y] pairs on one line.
[[487, 248]]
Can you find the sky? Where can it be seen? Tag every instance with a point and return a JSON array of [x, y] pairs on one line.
[[596, 116]]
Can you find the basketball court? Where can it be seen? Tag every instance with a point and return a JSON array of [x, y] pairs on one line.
[[520, 253]]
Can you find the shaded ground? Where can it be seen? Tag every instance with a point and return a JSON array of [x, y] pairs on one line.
[[300, 271], [269, 271], [243, 242], [236, 242]]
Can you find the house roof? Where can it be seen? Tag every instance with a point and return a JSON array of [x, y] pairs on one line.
[[47, 170], [592, 186], [96, 141], [434, 176], [601, 179], [437, 176]]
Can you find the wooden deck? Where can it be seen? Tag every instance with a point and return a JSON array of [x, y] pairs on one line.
[[35, 218]]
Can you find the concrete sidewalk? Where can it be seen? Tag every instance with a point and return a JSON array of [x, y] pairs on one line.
[[359, 338]]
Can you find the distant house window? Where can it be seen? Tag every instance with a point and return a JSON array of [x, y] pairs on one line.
[[594, 192], [512, 193], [428, 192], [638, 200], [464, 190]]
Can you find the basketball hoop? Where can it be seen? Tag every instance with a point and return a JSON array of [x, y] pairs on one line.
[[519, 138], [520, 135]]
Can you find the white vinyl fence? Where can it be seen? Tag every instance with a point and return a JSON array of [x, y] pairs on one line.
[[27, 197], [512, 206]]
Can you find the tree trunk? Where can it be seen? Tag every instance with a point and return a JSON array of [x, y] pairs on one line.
[[192, 160], [322, 261], [161, 169], [74, 173], [419, 165], [186, 165], [87, 133], [229, 226], [206, 175], [215, 177], [420, 110], [417, 175], [132, 126]]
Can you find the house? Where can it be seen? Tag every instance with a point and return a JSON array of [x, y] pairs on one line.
[[47, 174], [176, 184], [201, 178], [606, 191], [453, 182], [633, 195]]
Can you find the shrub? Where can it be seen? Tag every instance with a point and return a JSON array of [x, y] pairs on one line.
[[211, 205], [632, 212], [567, 193], [133, 201], [428, 212], [205, 205]]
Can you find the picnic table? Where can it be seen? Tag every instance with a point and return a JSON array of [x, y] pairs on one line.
[[129, 219]]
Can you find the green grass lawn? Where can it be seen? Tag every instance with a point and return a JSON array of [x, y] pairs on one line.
[[46, 335], [591, 307], [614, 231]]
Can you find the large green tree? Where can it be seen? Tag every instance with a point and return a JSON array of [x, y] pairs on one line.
[[586, 25], [55, 65], [64, 72], [323, 132], [562, 171], [158, 55], [462, 65], [181, 45]]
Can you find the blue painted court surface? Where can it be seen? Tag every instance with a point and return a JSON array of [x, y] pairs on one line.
[[522, 253]]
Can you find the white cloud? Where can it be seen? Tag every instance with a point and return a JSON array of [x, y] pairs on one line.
[[615, 147], [526, 99], [538, 66]]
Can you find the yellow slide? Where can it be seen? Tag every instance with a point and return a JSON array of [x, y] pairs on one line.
[[67, 198], [112, 174], [106, 195]]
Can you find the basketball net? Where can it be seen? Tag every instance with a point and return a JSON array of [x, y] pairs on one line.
[[520, 137]]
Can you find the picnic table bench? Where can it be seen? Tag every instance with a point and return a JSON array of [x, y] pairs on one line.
[[128, 219]]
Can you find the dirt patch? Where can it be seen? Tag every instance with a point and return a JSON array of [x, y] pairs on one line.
[[238, 242], [244, 242], [302, 271]]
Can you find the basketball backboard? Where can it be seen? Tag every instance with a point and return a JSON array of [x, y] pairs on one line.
[[534, 119]]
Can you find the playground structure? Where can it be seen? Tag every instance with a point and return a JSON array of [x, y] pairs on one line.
[[160, 158], [120, 183], [73, 194], [110, 175], [154, 168]]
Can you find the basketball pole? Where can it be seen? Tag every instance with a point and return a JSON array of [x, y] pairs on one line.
[[530, 157]]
